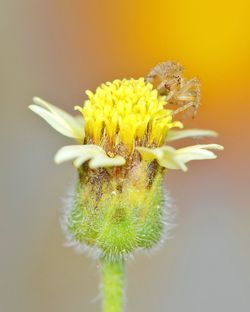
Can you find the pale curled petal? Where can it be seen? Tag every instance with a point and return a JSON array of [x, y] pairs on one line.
[[204, 146], [52, 120], [81, 160], [149, 154], [71, 152], [61, 114], [105, 161], [197, 152], [189, 133], [163, 155], [60, 120], [171, 158], [82, 153]]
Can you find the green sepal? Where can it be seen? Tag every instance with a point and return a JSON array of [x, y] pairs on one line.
[[118, 222]]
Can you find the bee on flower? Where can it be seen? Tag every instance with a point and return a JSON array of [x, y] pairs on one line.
[[122, 153]]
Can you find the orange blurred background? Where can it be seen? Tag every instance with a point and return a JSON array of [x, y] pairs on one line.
[[56, 50]]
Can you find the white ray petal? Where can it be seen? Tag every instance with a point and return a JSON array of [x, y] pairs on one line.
[[197, 152], [82, 153], [171, 158], [149, 154], [53, 121], [71, 152], [60, 120], [105, 161], [189, 133]]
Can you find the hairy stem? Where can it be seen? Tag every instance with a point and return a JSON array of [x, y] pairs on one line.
[[112, 284]]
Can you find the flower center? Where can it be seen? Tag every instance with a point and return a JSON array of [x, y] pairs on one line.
[[126, 111]]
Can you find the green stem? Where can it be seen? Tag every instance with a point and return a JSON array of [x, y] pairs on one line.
[[112, 284]]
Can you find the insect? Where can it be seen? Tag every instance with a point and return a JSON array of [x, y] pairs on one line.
[[183, 93]]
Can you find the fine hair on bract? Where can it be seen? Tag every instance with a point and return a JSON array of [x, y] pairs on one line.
[[169, 212]]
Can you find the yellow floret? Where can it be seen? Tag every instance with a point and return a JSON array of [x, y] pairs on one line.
[[127, 111]]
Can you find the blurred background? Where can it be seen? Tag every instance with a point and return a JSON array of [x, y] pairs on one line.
[[56, 50]]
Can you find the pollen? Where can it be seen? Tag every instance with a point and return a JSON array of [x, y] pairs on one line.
[[129, 112]]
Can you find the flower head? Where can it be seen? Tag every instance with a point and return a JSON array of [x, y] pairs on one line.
[[123, 134], [128, 113]]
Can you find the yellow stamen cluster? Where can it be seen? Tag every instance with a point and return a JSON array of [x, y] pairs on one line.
[[127, 111]]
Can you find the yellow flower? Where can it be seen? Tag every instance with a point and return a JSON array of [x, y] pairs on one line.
[[119, 120], [126, 112], [123, 134]]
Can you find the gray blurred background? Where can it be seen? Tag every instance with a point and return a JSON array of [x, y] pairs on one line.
[[56, 50]]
